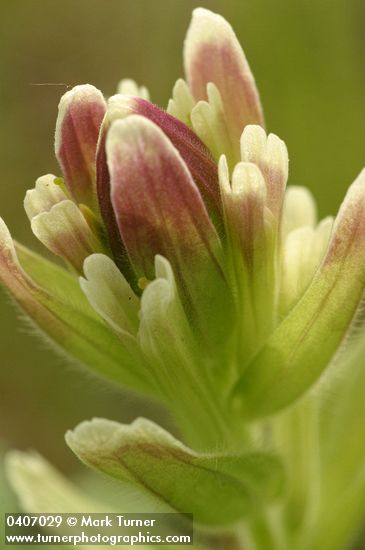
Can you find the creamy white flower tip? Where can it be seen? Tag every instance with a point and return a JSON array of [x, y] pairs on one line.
[[65, 231], [45, 194], [299, 210], [247, 179], [109, 293], [245, 213], [182, 102], [303, 251], [247, 184], [80, 114], [160, 302], [127, 86], [213, 54], [119, 106], [208, 121], [271, 156]]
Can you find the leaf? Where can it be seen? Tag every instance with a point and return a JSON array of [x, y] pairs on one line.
[[67, 320], [216, 489]]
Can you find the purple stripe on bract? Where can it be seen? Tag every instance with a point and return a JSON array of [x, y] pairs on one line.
[[192, 150], [158, 207]]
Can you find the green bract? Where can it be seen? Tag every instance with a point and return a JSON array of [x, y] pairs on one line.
[[194, 276]]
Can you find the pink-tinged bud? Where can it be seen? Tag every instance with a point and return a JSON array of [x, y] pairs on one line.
[[347, 244], [213, 54], [249, 231], [159, 210], [244, 201], [81, 111], [158, 207], [195, 154], [14, 278]]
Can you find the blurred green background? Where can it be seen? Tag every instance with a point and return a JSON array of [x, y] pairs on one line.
[[308, 58]]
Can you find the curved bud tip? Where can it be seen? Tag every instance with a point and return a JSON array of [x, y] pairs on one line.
[[212, 53], [17, 282], [8, 262], [80, 114], [45, 194], [65, 231], [348, 239], [109, 293]]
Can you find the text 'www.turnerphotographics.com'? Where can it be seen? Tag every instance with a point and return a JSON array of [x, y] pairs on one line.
[[98, 529]]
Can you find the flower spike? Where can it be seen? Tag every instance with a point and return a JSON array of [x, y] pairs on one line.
[[225, 299]]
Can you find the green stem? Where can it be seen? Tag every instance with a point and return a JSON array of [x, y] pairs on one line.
[[297, 438]]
